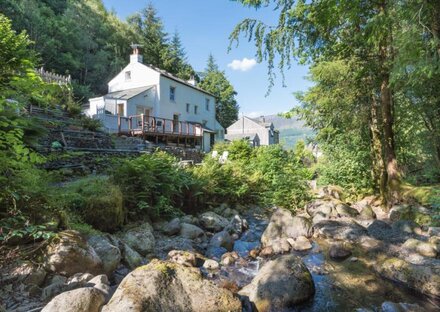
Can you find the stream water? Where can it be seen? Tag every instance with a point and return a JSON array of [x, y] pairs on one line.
[[340, 286]]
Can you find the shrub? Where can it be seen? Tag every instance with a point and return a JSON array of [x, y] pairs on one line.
[[267, 175], [96, 200], [90, 123], [154, 185]]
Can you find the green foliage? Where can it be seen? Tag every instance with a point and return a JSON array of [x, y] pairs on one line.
[[157, 49], [267, 175], [19, 229], [95, 200], [155, 186], [216, 83], [91, 124]]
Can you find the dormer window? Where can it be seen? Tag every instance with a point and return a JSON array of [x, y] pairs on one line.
[[127, 75], [173, 94]]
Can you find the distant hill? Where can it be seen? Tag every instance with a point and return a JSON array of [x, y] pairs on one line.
[[291, 130]]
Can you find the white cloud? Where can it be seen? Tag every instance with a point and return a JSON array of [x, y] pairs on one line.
[[243, 65]]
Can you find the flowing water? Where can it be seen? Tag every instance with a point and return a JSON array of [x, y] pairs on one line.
[[340, 286]]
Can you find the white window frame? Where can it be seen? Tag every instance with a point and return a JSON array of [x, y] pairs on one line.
[[172, 94]]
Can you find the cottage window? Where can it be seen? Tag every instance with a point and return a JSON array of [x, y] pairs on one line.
[[187, 107], [172, 94], [207, 104], [195, 109], [127, 75]]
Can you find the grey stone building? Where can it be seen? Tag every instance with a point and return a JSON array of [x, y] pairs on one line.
[[257, 131]]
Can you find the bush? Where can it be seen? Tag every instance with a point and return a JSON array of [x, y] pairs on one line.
[[96, 201], [155, 186], [267, 175], [91, 124]]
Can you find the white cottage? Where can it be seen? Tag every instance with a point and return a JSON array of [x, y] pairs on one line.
[[149, 102], [257, 131]]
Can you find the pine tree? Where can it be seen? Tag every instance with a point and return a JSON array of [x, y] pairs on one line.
[[215, 82]]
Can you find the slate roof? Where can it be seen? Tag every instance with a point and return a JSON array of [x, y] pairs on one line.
[[127, 94], [239, 136], [171, 76]]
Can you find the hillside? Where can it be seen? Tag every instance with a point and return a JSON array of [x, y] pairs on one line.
[[291, 129]]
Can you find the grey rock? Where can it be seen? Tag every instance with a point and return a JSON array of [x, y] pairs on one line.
[[101, 283], [210, 264], [301, 243], [82, 299], [181, 257], [191, 231], [172, 227], [211, 221], [283, 225], [164, 286], [343, 210], [70, 254], [425, 249], [339, 230], [380, 230], [422, 278], [222, 239], [140, 238], [109, 254], [280, 284]]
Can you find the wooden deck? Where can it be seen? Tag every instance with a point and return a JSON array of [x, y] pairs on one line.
[[161, 130]]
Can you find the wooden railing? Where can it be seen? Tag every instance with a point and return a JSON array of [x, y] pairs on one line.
[[142, 124]]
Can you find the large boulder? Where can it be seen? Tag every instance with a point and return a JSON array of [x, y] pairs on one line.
[[69, 253], [109, 254], [222, 239], [343, 210], [380, 230], [301, 243], [140, 238], [280, 284], [324, 207], [349, 231], [172, 227], [164, 286], [212, 222], [86, 299], [190, 231], [425, 249], [422, 278], [283, 225]]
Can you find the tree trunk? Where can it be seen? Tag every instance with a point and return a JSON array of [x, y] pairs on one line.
[[392, 169], [386, 99], [378, 169]]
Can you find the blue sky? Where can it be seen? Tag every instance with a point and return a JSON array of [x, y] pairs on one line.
[[204, 27]]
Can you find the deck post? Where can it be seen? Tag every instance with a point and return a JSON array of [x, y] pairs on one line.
[[142, 124], [163, 126], [119, 124], [130, 123]]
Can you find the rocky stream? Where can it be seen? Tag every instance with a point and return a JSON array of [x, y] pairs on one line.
[[330, 257]]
